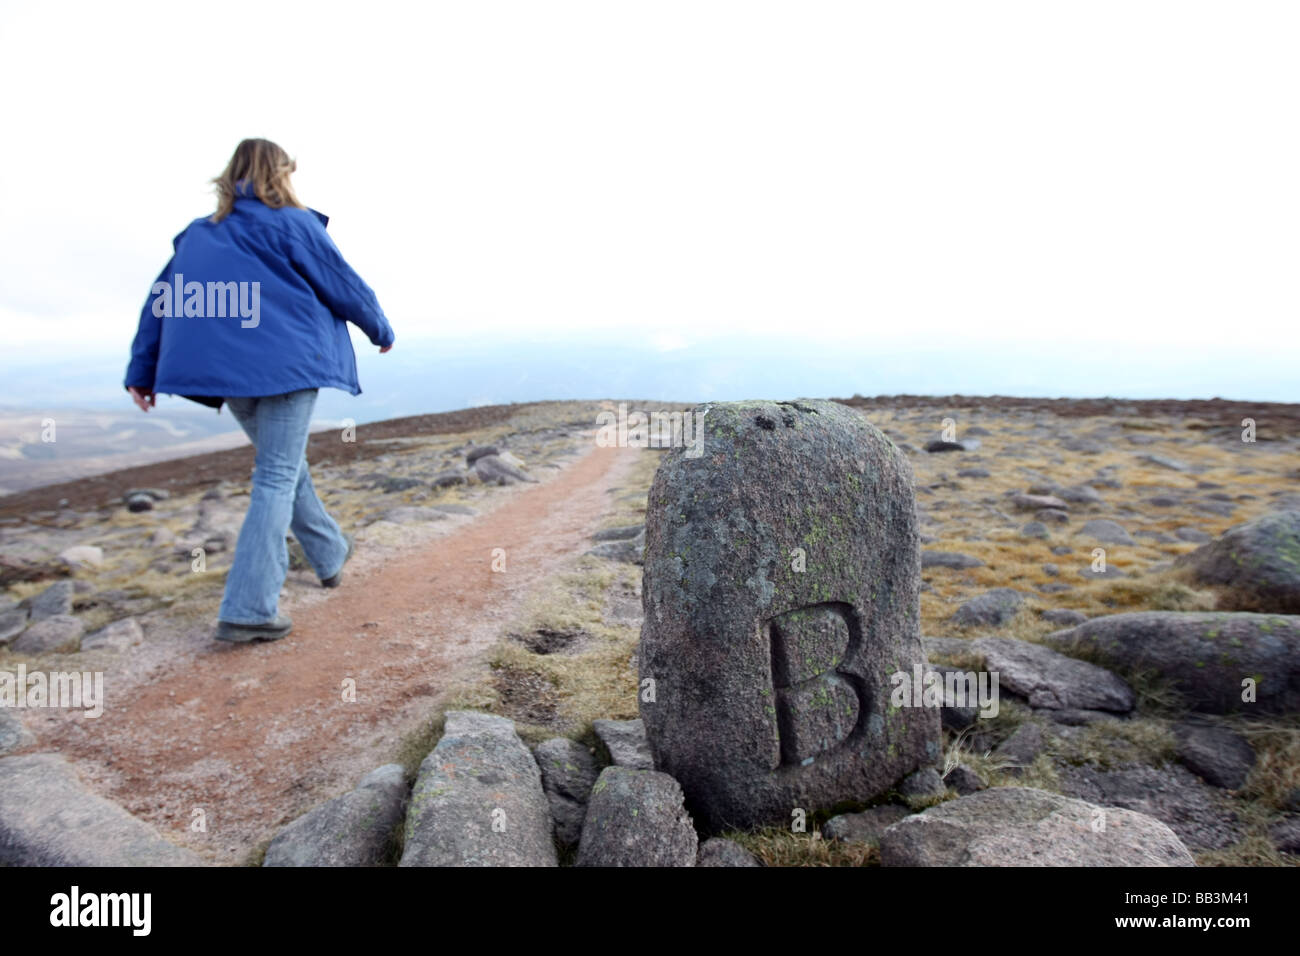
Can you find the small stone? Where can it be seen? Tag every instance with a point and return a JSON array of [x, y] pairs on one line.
[[990, 609], [626, 742], [1105, 531], [59, 633], [82, 556], [1034, 529], [718, 851], [117, 636], [1215, 754], [1063, 616], [949, 559], [54, 600], [922, 786], [637, 818], [964, 780], [864, 827]]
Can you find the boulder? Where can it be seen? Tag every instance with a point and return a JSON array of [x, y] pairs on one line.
[[964, 780], [717, 851], [636, 818], [59, 633], [478, 800], [1047, 678], [1210, 657], [1215, 754], [494, 470], [1019, 826], [1257, 562], [568, 773], [626, 742], [53, 601], [767, 666], [354, 829], [864, 827], [990, 609], [49, 818]]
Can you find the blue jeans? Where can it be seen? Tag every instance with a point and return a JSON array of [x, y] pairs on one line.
[[282, 500]]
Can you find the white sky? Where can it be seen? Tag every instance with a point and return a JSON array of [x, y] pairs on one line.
[[991, 171]]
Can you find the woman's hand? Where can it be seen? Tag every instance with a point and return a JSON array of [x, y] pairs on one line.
[[384, 349], [143, 397]]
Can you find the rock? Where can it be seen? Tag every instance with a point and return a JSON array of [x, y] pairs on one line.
[[949, 559], [568, 773], [922, 786], [54, 600], [13, 621], [448, 478], [48, 818], [626, 742], [938, 445], [1171, 794], [1063, 616], [1194, 535], [990, 609], [619, 534], [972, 473], [478, 800], [630, 551], [781, 665], [82, 556], [479, 451], [1098, 574], [1053, 516], [1049, 679], [1215, 754], [137, 503], [946, 647], [964, 780], [1285, 835], [636, 818], [493, 470], [1020, 749], [1075, 718], [117, 636], [1034, 529], [1162, 462], [864, 827], [455, 509], [153, 494], [59, 633], [717, 851], [1023, 502], [1206, 655], [13, 735], [393, 484], [354, 829], [1019, 826], [412, 514], [1105, 531], [1259, 562], [1080, 495]]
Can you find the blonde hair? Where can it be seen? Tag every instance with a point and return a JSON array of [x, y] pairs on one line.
[[264, 167]]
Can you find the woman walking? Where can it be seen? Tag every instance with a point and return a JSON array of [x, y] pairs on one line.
[[252, 312]]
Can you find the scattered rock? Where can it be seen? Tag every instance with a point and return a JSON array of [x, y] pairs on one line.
[[864, 827], [1063, 616], [59, 633], [1205, 655], [480, 451], [1194, 535], [448, 478], [1019, 826], [990, 609], [717, 851], [629, 551], [1034, 529], [1105, 531], [964, 780], [1024, 502], [1259, 562], [478, 800], [82, 556], [922, 786], [48, 818], [117, 636], [619, 534], [1050, 679], [1215, 754], [138, 503], [626, 742], [939, 445], [1285, 835], [1053, 516], [54, 600], [973, 473], [568, 773], [1161, 462], [493, 470], [1020, 749], [355, 829], [949, 559], [13, 621], [1170, 794], [636, 818], [13, 735]]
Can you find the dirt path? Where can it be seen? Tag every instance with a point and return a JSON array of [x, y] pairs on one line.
[[255, 734]]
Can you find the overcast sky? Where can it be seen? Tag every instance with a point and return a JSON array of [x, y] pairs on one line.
[[666, 171]]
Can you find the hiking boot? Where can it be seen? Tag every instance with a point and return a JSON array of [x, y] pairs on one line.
[[243, 633], [334, 580]]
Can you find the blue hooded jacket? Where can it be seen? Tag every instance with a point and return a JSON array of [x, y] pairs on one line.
[[257, 304]]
